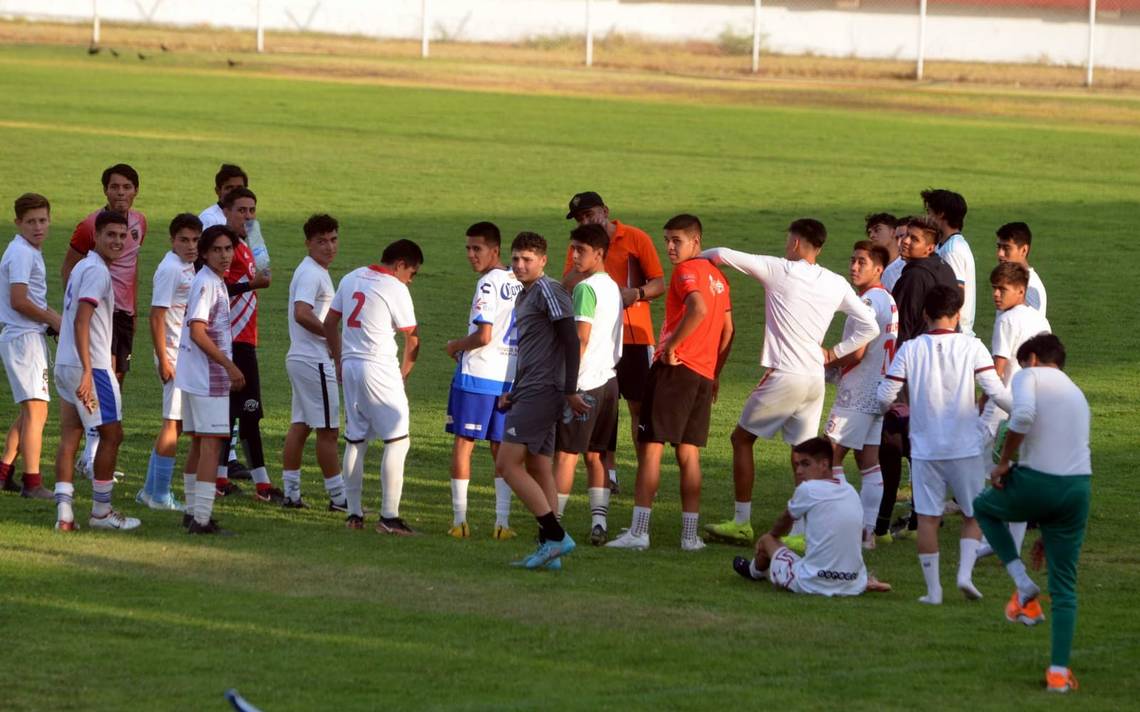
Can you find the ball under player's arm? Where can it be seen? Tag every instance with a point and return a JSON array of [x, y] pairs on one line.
[[476, 339], [411, 350], [85, 391], [202, 340], [18, 296], [158, 340], [695, 311]]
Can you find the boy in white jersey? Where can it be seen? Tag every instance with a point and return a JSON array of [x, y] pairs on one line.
[[376, 303], [206, 374], [316, 397], [883, 230], [167, 312], [25, 317], [598, 311], [1049, 483], [1014, 241], [939, 369], [855, 422], [484, 371], [948, 210], [800, 299], [226, 179], [85, 379]]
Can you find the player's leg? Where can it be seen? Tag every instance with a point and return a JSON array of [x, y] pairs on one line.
[[160, 472], [33, 417], [1062, 534], [929, 498], [462, 448], [11, 450], [249, 418], [70, 431], [328, 459], [392, 486], [522, 469], [870, 489], [291, 453], [211, 449], [108, 419], [966, 478], [502, 530], [992, 509], [598, 493], [565, 465], [891, 446], [689, 462]]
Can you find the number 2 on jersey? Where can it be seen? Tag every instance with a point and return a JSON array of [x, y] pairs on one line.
[[354, 317]]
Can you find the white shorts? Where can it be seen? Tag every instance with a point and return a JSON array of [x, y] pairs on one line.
[[26, 361], [375, 405], [852, 429], [782, 570], [108, 401], [206, 416], [965, 476], [316, 396], [787, 402], [171, 401]]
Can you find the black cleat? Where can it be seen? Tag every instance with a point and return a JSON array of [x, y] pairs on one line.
[[229, 489], [237, 471], [334, 507], [11, 485], [394, 526], [354, 522], [273, 495], [598, 535], [743, 567], [290, 503], [186, 519], [210, 527]]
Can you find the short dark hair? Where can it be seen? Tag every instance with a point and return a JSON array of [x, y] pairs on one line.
[[404, 251], [125, 171], [489, 231], [593, 235], [942, 301], [951, 205], [1046, 347], [816, 448], [685, 222], [529, 241], [1016, 232], [809, 229], [1010, 273], [207, 239], [30, 201], [880, 219], [227, 171], [106, 217], [183, 221], [320, 224], [236, 194], [878, 253], [927, 226]]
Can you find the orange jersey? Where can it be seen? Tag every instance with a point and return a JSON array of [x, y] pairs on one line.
[[700, 349]]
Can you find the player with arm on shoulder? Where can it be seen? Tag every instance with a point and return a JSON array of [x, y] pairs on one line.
[[376, 304], [484, 370], [1043, 475], [312, 376], [947, 209], [227, 178], [801, 298], [25, 318], [939, 369], [695, 341], [1014, 241]]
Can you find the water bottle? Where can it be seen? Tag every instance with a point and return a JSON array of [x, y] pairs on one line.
[[257, 245]]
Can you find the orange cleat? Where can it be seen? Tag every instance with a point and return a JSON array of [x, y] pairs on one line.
[[1060, 681], [1029, 614]]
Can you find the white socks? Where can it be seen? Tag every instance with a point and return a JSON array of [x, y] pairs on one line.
[[756, 573], [599, 506], [64, 497], [742, 514], [189, 487], [334, 487], [502, 503], [459, 501], [392, 476], [101, 497], [967, 555], [929, 563], [1026, 588], [640, 524], [562, 500], [1017, 531], [260, 476], [353, 473], [203, 503], [292, 481], [689, 525], [871, 495]]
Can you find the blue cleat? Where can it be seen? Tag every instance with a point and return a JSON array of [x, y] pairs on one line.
[[546, 552], [553, 565]]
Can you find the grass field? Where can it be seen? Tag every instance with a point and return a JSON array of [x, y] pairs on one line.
[[298, 613]]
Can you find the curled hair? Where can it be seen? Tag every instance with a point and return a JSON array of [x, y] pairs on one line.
[[530, 242], [320, 224], [593, 235], [950, 205]]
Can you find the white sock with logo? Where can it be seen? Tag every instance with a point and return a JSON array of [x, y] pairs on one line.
[[292, 481], [640, 524], [871, 495], [334, 487], [459, 501], [929, 563], [562, 500], [599, 506], [742, 514]]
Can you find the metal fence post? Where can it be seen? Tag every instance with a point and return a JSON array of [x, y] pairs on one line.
[[94, 22], [425, 22], [589, 33], [921, 39], [260, 30], [1092, 31], [755, 36]]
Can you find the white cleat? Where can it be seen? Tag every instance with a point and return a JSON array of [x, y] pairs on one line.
[[694, 544], [114, 520], [930, 600], [628, 540], [969, 590]]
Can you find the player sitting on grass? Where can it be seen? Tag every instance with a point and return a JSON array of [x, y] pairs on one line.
[[939, 369], [546, 380], [695, 341], [855, 422], [376, 303], [206, 375], [85, 379], [25, 317], [1014, 241], [484, 371], [598, 316], [1050, 484], [168, 302], [312, 375], [832, 564]]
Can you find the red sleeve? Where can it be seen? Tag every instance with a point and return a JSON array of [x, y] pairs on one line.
[[83, 239], [687, 278], [647, 256], [240, 266]]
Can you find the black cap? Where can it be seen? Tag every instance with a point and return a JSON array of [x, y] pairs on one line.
[[584, 201]]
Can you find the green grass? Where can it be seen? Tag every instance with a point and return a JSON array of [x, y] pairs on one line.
[[298, 613]]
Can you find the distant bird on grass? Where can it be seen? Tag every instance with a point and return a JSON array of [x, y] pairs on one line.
[[232, 62], [142, 56], [94, 49], [112, 51]]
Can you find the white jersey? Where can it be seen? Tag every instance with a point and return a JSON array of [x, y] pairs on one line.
[[800, 300], [490, 369], [939, 369], [1052, 413], [209, 302], [21, 264], [833, 529], [597, 302], [312, 285], [171, 291], [891, 273], [1035, 292], [89, 282], [212, 216], [375, 306], [1012, 328], [955, 251], [859, 383]]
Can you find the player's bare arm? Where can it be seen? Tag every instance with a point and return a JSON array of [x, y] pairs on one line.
[[645, 293], [476, 339], [18, 295], [304, 315], [411, 351], [331, 328], [69, 261], [261, 280], [202, 340], [157, 338], [85, 390], [695, 311]]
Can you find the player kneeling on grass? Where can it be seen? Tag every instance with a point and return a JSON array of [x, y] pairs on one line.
[[598, 315], [939, 369], [206, 374], [832, 564], [316, 396], [376, 304], [694, 344], [85, 379], [1050, 484]]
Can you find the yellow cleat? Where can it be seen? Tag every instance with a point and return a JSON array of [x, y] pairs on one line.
[[502, 533], [796, 543], [460, 531]]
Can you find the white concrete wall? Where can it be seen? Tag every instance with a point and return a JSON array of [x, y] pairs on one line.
[[1011, 35]]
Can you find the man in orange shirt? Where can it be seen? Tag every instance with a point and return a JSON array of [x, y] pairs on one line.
[[632, 262]]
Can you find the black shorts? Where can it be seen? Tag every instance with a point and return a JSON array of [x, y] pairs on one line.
[[247, 401], [896, 424], [122, 339], [676, 407], [531, 420], [591, 434], [633, 371]]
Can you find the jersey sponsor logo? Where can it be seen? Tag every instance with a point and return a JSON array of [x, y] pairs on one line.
[[251, 405], [837, 575], [715, 285], [509, 290], [135, 234]]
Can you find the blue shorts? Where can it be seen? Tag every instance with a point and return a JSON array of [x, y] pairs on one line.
[[474, 415]]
